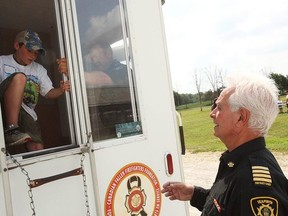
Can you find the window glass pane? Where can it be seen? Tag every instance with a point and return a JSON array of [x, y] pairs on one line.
[[105, 67]]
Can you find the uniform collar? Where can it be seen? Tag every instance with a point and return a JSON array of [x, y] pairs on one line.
[[231, 159]]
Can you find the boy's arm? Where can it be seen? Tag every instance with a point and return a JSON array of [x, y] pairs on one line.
[[57, 92], [64, 85]]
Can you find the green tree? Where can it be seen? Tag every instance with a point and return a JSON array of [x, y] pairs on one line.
[[177, 98], [280, 80]]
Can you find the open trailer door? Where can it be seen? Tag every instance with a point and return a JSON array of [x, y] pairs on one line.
[[51, 181]]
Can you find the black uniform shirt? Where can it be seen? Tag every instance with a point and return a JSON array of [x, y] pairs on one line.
[[118, 73], [249, 182]]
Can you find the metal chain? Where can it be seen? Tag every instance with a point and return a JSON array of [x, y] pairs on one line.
[[30, 194], [32, 206], [84, 176], [85, 185]]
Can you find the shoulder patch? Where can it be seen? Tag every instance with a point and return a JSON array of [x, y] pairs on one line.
[[264, 206], [261, 175]]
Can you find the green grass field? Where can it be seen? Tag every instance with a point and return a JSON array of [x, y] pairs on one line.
[[198, 131]]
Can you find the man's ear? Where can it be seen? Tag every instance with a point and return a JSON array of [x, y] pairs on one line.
[[244, 117]]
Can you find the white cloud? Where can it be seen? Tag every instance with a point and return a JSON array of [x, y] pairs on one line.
[[237, 36], [107, 27]]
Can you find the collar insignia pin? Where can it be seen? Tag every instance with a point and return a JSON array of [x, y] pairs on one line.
[[230, 164]]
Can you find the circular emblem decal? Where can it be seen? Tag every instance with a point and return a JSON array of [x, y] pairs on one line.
[[133, 191]]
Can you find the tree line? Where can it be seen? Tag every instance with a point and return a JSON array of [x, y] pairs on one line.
[[216, 77]]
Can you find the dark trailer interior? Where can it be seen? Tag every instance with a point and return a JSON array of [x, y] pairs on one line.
[[39, 16]]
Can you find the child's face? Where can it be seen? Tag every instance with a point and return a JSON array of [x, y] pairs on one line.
[[24, 56]]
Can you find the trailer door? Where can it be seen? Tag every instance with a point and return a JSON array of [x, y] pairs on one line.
[[119, 116], [134, 139]]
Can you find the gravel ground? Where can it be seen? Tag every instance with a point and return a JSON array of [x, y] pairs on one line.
[[201, 168]]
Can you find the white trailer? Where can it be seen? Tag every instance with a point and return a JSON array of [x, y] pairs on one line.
[[108, 147]]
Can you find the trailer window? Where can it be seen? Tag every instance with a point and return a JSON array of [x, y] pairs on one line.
[[39, 15], [108, 69]]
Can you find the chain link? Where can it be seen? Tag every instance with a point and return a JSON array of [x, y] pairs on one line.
[[28, 180], [85, 185], [85, 150], [30, 194]]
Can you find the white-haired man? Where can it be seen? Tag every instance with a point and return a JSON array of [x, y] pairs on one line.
[[249, 180]]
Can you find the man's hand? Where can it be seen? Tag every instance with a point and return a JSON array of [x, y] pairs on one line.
[[178, 191]]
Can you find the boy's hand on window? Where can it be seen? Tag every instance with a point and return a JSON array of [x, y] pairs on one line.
[[65, 85], [62, 66]]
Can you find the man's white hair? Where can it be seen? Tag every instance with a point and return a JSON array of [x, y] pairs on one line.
[[259, 95]]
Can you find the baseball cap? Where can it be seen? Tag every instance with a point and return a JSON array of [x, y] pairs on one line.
[[31, 40]]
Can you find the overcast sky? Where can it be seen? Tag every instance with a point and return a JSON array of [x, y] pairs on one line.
[[236, 36]]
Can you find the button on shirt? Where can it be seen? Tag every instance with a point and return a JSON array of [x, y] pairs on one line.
[[249, 182]]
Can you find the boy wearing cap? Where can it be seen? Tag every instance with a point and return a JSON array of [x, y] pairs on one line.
[[22, 79]]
